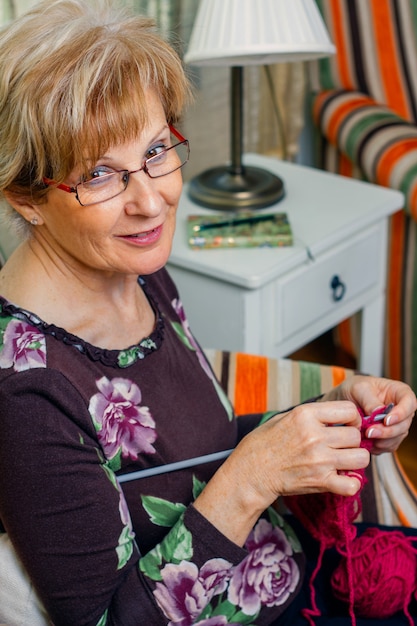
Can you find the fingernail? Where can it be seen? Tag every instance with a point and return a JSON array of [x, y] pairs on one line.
[[370, 433], [391, 419]]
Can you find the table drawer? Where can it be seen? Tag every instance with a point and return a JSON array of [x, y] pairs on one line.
[[329, 282]]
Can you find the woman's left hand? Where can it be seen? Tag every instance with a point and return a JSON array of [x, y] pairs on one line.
[[369, 393]]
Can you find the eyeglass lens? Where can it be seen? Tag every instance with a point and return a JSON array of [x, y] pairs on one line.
[[110, 185]]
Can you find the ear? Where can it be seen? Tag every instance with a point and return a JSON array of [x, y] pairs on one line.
[[25, 207]]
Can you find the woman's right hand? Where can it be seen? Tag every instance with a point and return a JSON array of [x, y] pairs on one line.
[[302, 451]]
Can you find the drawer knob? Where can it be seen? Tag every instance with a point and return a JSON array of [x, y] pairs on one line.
[[338, 288]]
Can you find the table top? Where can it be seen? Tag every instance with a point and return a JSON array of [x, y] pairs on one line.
[[324, 210]]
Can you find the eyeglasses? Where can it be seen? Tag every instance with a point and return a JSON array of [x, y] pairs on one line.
[[107, 183]]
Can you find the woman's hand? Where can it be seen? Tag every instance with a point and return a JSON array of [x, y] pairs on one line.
[[302, 451], [370, 393]]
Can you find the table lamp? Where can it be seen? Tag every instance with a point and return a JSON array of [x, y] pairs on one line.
[[236, 33]]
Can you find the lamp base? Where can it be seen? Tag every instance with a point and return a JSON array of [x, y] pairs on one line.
[[220, 189]]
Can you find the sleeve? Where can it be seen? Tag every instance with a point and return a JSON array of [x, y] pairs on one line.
[[67, 518]]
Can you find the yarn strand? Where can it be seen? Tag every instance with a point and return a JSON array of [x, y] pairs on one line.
[[377, 573]]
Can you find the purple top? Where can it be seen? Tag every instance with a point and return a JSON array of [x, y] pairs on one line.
[[73, 417]]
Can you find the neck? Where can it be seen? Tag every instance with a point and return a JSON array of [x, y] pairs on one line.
[[109, 310]]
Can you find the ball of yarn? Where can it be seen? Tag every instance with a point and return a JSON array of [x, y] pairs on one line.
[[381, 568]]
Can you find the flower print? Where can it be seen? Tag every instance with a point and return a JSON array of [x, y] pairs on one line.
[[126, 540], [268, 575], [179, 310], [186, 590], [24, 347], [184, 332], [121, 422]]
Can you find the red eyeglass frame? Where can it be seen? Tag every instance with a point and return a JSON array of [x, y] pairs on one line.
[[68, 189]]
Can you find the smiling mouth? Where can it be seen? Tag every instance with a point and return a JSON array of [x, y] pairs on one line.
[[147, 236], [144, 233]]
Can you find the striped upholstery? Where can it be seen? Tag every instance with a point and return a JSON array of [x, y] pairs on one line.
[[258, 383], [365, 108], [255, 384]]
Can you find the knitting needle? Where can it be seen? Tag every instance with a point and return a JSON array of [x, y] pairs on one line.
[[205, 458], [381, 416], [173, 467]]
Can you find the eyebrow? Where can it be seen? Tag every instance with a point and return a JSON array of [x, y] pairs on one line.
[[165, 128]]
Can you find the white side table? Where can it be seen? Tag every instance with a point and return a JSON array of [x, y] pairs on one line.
[[273, 301]]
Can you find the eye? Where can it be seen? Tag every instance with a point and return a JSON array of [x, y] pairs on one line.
[[98, 175], [98, 172], [155, 151]]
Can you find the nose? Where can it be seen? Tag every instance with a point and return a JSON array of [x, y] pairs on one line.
[[143, 195]]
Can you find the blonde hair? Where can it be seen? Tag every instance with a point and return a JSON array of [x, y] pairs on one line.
[[73, 78]]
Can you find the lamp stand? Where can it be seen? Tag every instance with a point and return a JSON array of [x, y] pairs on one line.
[[236, 186]]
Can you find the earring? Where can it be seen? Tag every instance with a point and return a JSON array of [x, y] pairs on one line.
[[34, 221]]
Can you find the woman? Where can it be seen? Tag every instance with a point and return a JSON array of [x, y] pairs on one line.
[[100, 375]]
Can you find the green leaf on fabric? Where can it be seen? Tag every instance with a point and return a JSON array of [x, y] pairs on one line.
[[110, 475], [103, 619], [177, 546], [224, 399], [292, 537], [245, 620], [4, 321], [198, 487], [227, 609], [162, 512], [116, 462], [150, 564], [128, 357], [182, 335], [125, 548]]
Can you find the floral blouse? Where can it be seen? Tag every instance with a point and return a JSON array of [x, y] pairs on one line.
[[74, 418]]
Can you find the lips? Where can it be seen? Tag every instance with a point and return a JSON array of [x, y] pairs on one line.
[[146, 237]]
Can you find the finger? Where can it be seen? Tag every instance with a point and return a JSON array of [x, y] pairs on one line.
[[352, 459], [389, 429], [345, 437], [339, 413], [344, 484]]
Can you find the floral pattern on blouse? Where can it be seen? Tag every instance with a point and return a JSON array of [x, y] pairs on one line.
[[184, 333], [124, 426], [23, 348], [219, 593]]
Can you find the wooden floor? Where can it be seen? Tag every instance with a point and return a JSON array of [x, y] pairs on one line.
[[323, 350]]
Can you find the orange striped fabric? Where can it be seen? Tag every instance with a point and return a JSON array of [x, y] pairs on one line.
[[251, 384], [338, 375], [339, 115], [390, 157], [376, 59], [345, 168], [374, 51], [387, 46], [341, 41]]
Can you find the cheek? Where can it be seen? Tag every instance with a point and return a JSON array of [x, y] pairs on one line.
[[175, 188]]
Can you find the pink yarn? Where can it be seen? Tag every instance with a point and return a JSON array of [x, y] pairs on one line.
[[383, 574], [378, 571]]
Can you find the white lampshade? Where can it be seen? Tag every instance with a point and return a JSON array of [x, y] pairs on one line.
[[257, 32]]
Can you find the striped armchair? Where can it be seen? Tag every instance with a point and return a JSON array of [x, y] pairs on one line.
[[256, 384], [365, 110]]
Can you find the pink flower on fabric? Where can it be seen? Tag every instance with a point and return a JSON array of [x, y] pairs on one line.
[[268, 575], [186, 591], [24, 347], [121, 422], [179, 310]]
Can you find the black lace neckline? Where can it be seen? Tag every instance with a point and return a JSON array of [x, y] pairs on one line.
[[113, 358]]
